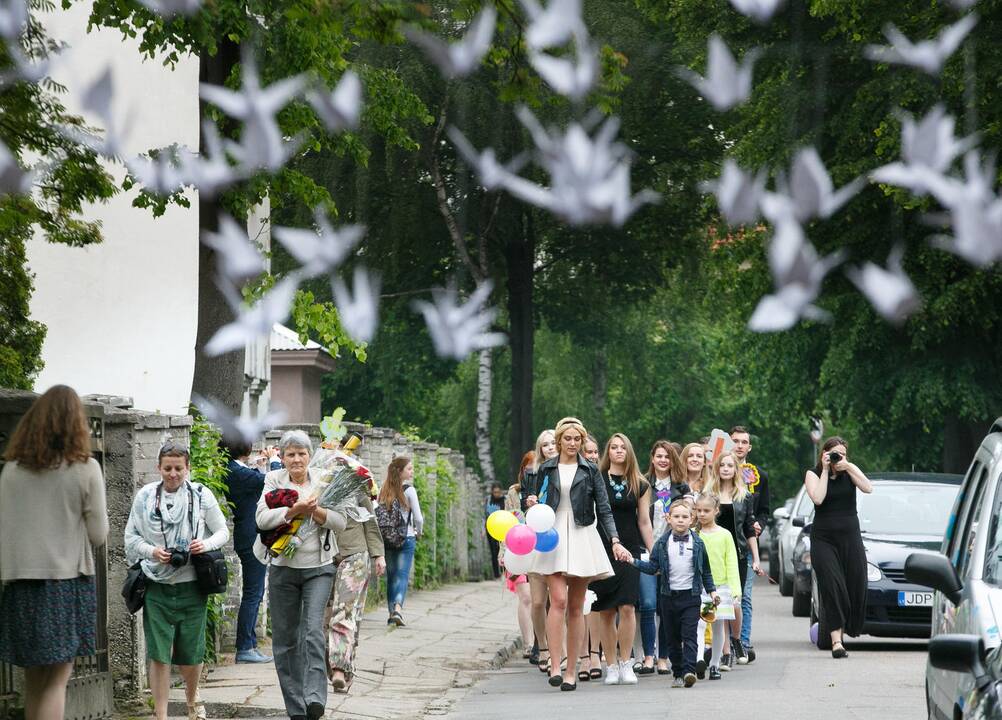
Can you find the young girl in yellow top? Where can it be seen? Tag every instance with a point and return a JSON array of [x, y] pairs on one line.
[[723, 557]]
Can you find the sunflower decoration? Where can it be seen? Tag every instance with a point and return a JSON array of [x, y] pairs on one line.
[[749, 473]]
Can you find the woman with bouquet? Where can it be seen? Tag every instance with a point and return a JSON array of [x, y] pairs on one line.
[[299, 583]]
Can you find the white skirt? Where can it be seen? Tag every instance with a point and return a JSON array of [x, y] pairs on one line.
[[579, 553]]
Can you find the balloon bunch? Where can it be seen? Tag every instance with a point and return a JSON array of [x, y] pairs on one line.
[[537, 534]]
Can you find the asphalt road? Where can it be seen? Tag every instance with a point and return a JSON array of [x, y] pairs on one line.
[[880, 680]]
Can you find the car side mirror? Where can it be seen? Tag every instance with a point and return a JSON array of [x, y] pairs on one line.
[[960, 653], [799, 521], [936, 571], [780, 514]]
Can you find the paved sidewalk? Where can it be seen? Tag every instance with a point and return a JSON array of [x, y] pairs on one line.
[[453, 635]]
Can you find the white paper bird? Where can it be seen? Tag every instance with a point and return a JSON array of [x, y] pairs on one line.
[[726, 84], [962, 5], [233, 429], [14, 180], [262, 144], [341, 109], [170, 8], [738, 193], [238, 258], [926, 146], [256, 321], [554, 26], [572, 76], [13, 18], [160, 174], [358, 309], [889, 290], [927, 55], [797, 274], [809, 193], [758, 10], [24, 68], [458, 330], [211, 171], [322, 250], [492, 174], [460, 58], [97, 100]]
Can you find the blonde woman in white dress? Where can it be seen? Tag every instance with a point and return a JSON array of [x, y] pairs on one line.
[[575, 490]]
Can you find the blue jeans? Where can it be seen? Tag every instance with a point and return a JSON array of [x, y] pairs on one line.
[[398, 572], [746, 604], [648, 606], [253, 573]]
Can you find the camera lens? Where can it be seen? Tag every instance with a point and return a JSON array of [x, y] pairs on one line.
[[178, 557]]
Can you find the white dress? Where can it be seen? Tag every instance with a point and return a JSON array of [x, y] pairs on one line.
[[580, 552]]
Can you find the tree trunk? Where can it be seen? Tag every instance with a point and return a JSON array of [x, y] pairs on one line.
[[485, 380], [520, 253], [222, 377]]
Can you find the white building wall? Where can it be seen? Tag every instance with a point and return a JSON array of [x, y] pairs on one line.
[[122, 315]]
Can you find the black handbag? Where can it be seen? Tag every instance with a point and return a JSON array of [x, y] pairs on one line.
[[134, 588], [211, 571]]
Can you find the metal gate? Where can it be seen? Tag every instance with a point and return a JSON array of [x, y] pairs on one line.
[[89, 694]]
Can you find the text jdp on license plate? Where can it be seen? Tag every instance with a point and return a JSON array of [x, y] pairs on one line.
[[908, 598]]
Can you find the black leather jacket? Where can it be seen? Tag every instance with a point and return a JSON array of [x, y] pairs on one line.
[[744, 523], [587, 493]]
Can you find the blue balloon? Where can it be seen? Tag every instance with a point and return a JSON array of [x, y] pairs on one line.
[[814, 634], [547, 541]]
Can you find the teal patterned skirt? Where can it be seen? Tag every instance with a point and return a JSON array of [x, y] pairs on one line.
[[45, 622]]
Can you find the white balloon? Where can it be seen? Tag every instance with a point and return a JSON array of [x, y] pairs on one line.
[[540, 517], [517, 564]]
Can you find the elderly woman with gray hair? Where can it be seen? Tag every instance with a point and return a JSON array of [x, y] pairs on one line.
[[299, 586]]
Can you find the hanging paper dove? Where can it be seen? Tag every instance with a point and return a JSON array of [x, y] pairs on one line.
[[926, 146], [458, 330], [810, 192], [358, 309], [797, 273], [460, 58], [492, 174], [256, 321], [262, 144], [962, 4], [572, 77], [97, 99], [726, 83], [25, 69], [554, 26], [237, 429], [889, 290], [161, 173], [238, 259], [738, 193], [758, 10], [927, 55], [319, 252], [170, 8], [341, 109], [211, 172], [13, 18], [14, 180]]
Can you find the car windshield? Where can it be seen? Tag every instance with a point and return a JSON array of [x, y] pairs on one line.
[[906, 508]]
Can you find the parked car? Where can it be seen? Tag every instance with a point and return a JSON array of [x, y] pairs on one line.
[[904, 513], [780, 516], [967, 575], [966, 654], [893, 525], [799, 505]]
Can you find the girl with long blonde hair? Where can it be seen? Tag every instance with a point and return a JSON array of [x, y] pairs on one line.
[[693, 460]]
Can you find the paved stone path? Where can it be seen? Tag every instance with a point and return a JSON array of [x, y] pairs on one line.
[[453, 635]]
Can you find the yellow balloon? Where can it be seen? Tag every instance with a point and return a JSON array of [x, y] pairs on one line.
[[499, 523]]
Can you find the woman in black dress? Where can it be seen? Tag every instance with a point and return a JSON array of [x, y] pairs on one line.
[[837, 552], [630, 497]]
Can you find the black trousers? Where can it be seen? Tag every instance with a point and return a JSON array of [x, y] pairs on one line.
[[680, 619], [494, 547]]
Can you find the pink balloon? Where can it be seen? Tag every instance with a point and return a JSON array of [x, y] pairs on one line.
[[521, 539]]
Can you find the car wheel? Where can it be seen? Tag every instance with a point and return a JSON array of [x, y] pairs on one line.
[[801, 604], [785, 584]]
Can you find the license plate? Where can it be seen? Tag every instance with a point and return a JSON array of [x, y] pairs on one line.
[[914, 599]]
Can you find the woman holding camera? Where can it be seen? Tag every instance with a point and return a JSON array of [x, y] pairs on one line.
[[170, 521], [837, 552]]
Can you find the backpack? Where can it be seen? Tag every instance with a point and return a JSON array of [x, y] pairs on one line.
[[392, 524]]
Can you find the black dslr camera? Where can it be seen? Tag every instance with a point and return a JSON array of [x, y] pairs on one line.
[[178, 557], [834, 457]]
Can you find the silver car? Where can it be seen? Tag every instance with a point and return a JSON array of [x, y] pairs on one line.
[[788, 533], [967, 575]]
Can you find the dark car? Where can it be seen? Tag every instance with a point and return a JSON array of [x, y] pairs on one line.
[[966, 654], [907, 512]]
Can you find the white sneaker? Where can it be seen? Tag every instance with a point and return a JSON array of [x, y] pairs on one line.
[[611, 674], [626, 674]]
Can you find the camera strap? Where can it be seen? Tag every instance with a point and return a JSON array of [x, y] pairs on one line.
[[191, 512]]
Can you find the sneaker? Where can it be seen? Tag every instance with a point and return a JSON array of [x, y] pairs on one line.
[[678, 683], [750, 652], [689, 679], [314, 711], [725, 663], [626, 674], [714, 673], [701, 669], [252, 656], [611, 674], [738, 651]]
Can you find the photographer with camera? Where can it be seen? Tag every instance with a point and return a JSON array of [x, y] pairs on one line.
[[837, 552], [170, 521]]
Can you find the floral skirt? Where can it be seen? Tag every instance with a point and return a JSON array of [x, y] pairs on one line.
[[46, 622]]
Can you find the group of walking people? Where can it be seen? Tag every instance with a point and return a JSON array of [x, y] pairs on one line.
[[53, 512]]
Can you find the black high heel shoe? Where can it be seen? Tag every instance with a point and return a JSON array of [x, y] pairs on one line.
[[584, 675], [839, 651]]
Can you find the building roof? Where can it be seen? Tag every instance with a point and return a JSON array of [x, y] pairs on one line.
[[283, 338]]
